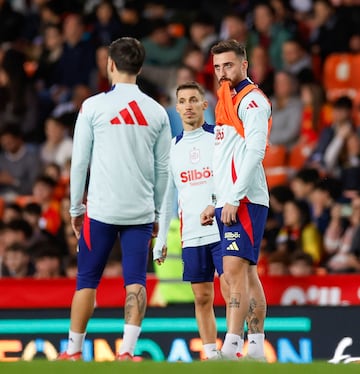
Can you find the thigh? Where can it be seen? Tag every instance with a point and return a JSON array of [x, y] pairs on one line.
[[198, 264], [135, 242], [243, 238], [95, 244]]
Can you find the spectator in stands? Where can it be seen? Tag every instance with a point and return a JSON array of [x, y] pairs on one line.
[[19, 163], [260, 70], [330, 32], [297, 61], [18, 99], [17, 263], [11, 22], [52, 49], [2, 246], [57, 146], [278, 264], [284, 16], [43, 194], [286, 110], [106, 25], [339, 236], [47, 260], [301, 264], [78, 57], [326, 192], [350, 166], [202, 32], [162, 49], [133, 22], [316, 114], [194, 58], [298, 232], [70, 266], [341, 127], [279, 195], [268, 33], [17, 231], [303, 182], [233, 26], [31, 213], [69, 109], [11, 211], [343, 152], [98, 80]]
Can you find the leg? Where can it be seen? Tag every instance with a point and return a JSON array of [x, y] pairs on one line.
[[92, 256], [257, 311], [82, 308], [256, 316], [236, 275], [204, 311], [135, 304], [134, 244]]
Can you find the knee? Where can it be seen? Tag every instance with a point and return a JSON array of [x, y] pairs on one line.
[[204, 299]]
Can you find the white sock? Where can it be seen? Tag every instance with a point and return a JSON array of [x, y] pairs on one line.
[[130, 337], [75, 342], [240, 346], [210, 350], [256, 345], [231, 344]]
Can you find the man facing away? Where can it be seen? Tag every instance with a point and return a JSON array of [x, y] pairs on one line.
[[190, 173], [243, 116], [124, 137]]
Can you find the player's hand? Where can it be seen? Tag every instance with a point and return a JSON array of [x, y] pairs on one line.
[[159, 253], [207, 216], [229, 214], [77, 223]]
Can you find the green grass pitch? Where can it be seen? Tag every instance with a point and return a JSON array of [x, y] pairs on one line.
[[151, 367]]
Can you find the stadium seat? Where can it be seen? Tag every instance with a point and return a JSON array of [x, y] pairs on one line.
[[298, 155], [275, 156], [338, 75], [275, 165], [276, 178]]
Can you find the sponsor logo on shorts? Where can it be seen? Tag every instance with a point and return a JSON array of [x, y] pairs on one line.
[[232, 235], [232, 247]]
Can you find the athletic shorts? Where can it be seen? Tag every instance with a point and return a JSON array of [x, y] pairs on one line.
[[95, 244], [201, 262], [243, 238]]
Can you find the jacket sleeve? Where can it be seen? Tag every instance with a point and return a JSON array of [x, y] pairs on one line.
[[255, 120], [161, 161]]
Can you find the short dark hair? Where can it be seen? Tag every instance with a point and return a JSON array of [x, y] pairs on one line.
[[191, 85], [230, 45], [128, 54], [343, 102]]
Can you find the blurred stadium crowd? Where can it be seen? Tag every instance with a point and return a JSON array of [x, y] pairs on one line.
[[304, 54]]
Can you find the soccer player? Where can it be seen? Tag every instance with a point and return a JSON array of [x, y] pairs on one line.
[[243, 118], [124, 137], [191, 175]]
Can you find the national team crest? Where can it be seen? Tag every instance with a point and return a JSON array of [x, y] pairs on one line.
[[195, 155]]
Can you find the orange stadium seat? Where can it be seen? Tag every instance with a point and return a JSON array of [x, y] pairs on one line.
[[338, 75], [298, 155], [275, 156], [275, 165]]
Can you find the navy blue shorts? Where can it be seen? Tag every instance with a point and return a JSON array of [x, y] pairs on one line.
[[243, 238], [95, 244], [201, 262]]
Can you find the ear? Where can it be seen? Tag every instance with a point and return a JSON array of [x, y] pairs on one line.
[[111, 65], [205, 104]]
